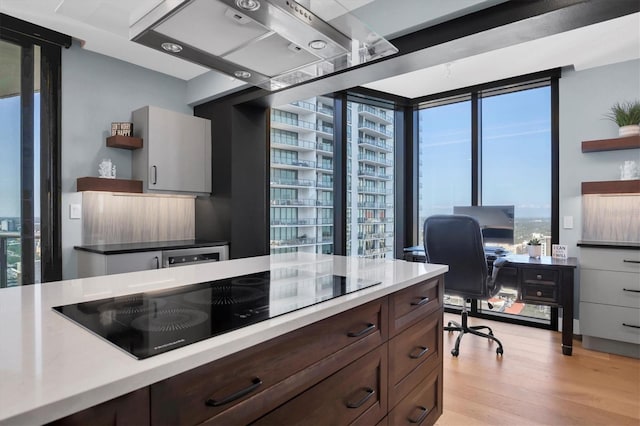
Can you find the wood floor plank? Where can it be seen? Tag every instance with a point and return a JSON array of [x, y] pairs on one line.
[[534, 384]]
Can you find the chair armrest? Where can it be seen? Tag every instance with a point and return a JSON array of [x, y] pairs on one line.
[[502, 274]]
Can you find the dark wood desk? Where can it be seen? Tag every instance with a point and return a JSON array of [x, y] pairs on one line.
[[548, 281], [544, 281]]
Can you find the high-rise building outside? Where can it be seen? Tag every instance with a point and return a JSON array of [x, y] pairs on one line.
[[302, 171]]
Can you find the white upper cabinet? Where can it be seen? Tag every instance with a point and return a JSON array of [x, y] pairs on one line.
[[176, 151]]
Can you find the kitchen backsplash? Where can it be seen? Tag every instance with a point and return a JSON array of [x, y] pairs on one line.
[[111, 218], [611, 218]]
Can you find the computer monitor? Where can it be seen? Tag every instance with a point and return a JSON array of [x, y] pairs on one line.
[[496, 222]]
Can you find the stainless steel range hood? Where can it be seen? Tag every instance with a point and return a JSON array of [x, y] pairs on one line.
[[267, 43]]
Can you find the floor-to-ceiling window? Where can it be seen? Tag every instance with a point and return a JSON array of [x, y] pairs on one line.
[[444, 161], [19, 171], [29, 142], [516, 170], [491, 147], [370, 176], [301, 182], [303, 149]]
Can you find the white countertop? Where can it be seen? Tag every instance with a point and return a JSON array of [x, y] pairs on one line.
[[50, 367]]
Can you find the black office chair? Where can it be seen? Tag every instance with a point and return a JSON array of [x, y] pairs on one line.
[[456, 240]]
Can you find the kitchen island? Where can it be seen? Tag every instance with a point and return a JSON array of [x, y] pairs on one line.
[[52, 368]]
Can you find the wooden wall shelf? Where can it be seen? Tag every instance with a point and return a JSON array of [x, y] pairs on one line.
[[627, 142], [125, 142], [112, 185], [612, 187]]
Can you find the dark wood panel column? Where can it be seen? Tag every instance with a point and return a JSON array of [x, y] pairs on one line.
[[237, 210], [250, 181], [50, 160], [26, 167]]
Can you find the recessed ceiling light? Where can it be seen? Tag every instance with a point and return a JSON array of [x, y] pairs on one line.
[[249, 5], [242, 74], [171, 47], [317, 44]]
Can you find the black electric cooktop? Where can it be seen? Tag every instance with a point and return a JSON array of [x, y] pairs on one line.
[[147, 324]]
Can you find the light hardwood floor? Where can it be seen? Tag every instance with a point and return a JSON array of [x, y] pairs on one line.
[[534, 384]]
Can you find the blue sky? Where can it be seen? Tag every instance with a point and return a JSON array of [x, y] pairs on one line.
[[516, 154], [10, 155]]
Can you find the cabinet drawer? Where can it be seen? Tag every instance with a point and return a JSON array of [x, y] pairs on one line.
[[422, 406], [354, 395], [610, 322], [413, 354], [610, 259], [610, 288], [408, 306], [129, 409], [314, 352]]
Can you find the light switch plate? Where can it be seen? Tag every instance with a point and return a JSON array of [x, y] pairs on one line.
[[75, 211], [567, 222]]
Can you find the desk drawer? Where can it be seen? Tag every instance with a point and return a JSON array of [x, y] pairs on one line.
[[610, 259], [539, 292], [422, 406], [610, 322], [546, 276], [413, 354], [610, 288]]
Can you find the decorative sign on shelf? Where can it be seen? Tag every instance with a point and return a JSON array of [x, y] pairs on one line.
[[121, 128], [106, 169], [559, 251]]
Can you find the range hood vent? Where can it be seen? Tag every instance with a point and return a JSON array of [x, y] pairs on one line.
[[267, 43]]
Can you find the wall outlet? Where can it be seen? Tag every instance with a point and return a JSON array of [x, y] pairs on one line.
[[75, 211], [567, 222]]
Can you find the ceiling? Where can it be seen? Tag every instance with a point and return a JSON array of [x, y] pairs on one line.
[[102, 26]]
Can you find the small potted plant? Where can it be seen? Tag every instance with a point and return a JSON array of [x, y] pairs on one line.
[[627, 116], [534, 247]]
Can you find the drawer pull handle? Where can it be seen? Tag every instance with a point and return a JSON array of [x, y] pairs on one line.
[[631, 261], [423, 350], [539, 293], [631, 290], [539, 276], [155, 175], [370, 327], [370, 392], [631, 325], [424, 413], [422, 301], [255, 384]]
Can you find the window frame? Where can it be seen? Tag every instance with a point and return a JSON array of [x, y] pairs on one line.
[[27, 35], [475, 94]]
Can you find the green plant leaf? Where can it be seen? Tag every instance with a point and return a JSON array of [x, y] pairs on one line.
[[625, 113]]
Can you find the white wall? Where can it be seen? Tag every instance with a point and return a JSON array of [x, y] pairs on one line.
[[97, 90], [585, 97]]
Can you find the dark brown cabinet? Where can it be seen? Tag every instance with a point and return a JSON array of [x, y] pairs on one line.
[[283, 367], [376, 364], [131, 409]]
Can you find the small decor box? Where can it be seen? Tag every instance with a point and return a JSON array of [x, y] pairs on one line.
[[559, 251], [121, 128]]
